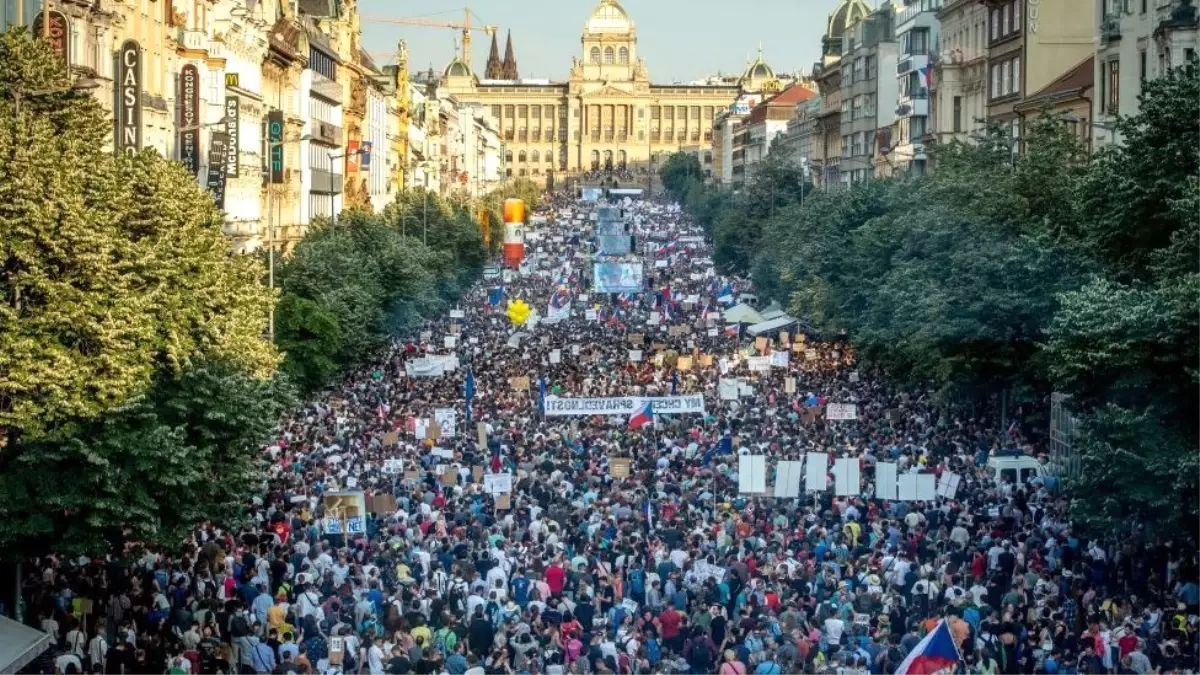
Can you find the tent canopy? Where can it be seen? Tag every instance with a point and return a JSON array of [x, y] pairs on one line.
[[20, 645], [772, 325], [742, 314], [773, 311]]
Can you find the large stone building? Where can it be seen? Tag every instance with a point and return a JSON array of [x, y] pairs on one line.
[[606, 114]]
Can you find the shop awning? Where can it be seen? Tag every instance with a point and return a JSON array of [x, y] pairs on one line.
[[20, 644]]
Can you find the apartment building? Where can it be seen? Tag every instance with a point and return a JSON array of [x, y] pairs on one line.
[[958, 95], [917, 31], [1138, 40], [868, 100]]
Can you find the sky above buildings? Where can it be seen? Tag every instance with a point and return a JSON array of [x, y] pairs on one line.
[[680, 40]]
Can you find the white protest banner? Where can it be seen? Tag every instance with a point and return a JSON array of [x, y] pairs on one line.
[[457, 314], [948, 484], [635, 355], [780, 359], [626, 405], [451, 341], [391, 467], [574, 350], [426, 335], [582, 297], [847, 480], [555, 356], [885, 480], [926, 487], [745, 390], [444, 453], [660, 264], [816, 475], [854, 376], [447, 419], [906, 487], [759, 364], [420, 427], [431, 366], [728, 389], [591, 315], [712, 332], [752, 474], [841, 411], [497, 483], [788, 474]]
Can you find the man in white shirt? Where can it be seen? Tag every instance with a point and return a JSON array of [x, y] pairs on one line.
[[834, 628], [97, 650]]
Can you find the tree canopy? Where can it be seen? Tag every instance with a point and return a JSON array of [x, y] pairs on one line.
[[121, 300], [1001, 277]]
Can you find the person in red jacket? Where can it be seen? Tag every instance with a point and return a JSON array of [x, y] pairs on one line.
[[555, 576]]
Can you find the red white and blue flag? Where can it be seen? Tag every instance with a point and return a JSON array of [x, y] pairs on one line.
[[642, 416], [937, 654]]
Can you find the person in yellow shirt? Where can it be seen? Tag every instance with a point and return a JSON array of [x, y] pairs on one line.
[[422, 635], [277, 613]]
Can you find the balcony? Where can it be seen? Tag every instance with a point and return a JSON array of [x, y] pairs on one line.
[[912, 62], [1110, 29], [193, 40], [916, 105]]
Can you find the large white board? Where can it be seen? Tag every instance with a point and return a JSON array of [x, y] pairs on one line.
[[847, 480], [788, 474], [752, 474], [816, 476]]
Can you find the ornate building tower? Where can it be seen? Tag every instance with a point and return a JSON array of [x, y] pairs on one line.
[[510, 61], [494, 69]]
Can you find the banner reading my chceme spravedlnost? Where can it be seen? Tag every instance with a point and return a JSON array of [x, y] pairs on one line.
[[623, 405]]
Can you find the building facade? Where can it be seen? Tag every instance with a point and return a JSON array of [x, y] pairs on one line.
[[755, 135], [605, 116], [1138, 40], [917, 32], [827, 149], [958, 94], [868, 99]]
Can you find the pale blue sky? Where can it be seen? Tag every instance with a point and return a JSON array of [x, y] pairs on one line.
[[679, 39]]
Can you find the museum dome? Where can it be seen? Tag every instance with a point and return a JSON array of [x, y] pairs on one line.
[[847, 13], [609, 17], [758, 71], [457, 69]]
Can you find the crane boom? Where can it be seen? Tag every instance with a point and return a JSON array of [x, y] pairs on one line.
[[465, 26]]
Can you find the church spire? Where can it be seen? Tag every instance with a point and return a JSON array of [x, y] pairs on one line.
[[494, 69], [510, 61]]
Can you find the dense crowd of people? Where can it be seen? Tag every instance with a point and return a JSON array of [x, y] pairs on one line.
[[621, 548]]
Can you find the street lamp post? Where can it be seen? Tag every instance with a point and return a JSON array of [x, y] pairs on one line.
[[271, 234], [18, 95], [332, 157]]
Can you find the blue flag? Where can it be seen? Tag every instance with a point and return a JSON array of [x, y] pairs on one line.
[[674, 382], [495, 295], [542, 395], [469, 390]]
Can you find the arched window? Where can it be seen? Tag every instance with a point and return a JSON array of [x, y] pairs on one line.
[[535, 157], [508, 156], [521, 157], [624, 56], [595, 160], [708, 157], [609, 55], [621, 159], [549, 156], [595, 55]]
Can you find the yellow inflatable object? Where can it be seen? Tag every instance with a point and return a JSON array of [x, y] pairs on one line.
[[518, 312]]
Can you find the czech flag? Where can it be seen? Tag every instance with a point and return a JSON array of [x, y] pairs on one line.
[[734, 331], [937, 654], [641, 416]]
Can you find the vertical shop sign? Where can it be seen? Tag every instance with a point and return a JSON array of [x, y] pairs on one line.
[[129, 97], [189, 118], [218, 146], [275, 145], [233, 111]]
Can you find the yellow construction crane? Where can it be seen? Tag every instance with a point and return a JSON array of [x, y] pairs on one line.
[[466, 27]]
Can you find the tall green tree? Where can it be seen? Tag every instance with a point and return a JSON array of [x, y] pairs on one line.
[[679, 171], [119, 293]]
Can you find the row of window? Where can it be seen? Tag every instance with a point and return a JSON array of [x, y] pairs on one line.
[[533, 157], [680, 112], [865, 68], [916, 42], [320, 110], [523, 111], [1004, 21], [320, 62], [857, 143], [1005, 77], [610, 56], [526, 137]]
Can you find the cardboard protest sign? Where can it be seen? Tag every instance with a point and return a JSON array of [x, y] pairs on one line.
[[449, 476], [760, 343], [337, 650], [504, 501], [684, 363], [519, 383], [784, 339], [477, 473], [619, 467], [635, 355], [636, 339], [391, 438], [481, 434], [706, 360]]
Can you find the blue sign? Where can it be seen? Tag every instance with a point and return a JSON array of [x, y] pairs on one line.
[[364, 153]]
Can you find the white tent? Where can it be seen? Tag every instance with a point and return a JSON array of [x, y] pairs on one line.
[[742, 314], [20, 645], [778, 323]]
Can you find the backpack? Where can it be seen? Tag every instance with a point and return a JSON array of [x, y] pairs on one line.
[[653, 651], [702, 655], [439, 640], [238, 626]]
